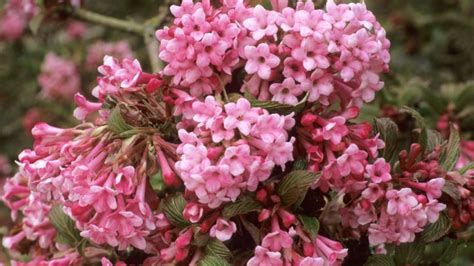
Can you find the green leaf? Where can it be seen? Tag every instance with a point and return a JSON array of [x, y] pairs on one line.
[[67, 232], [310, 225], [389, 134], [434, 140], [217, 249], [451, 154], [276, 107], [466, 168], [300, 164], [252, 229], [243, 205], [200, 239], [434, 100], [293, 187], [451, 190], [116, 122], [379, 260], [35, 23], [409, 253], [436, 230], [157, 183], [212, 261], [422, 132], [440, 251], [173, 207]]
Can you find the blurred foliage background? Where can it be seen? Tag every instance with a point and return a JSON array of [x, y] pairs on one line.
[[432, 68]]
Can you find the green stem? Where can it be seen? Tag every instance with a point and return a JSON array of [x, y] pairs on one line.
[[115, 23]]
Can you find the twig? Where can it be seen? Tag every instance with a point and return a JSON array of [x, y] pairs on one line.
[[115, 23]]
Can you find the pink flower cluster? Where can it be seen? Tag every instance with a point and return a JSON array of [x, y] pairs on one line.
[[34, 214], [75, 168], [59, 78], [99, 49], [341, 151], [332, 55], [14, 20], [230, 148]]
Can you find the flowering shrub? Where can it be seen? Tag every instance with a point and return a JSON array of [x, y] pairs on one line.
[[246, 148]]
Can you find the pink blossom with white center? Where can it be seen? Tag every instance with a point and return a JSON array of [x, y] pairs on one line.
[[286, 92], [319, 86], [195, 24], [210, 50], [240, 115], [264, 256], [193, 212], [400, 201], [263, 23], [379, 171], [351, 161], [260, 60], [434, 188], [101, 198], [433, 208], [59, 78], [335, 129], [124, 74], [223, 229], [237, 158], [373, 192], [205, 111], [312, 54]]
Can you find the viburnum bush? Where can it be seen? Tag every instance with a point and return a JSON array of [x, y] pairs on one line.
[[246, 148]]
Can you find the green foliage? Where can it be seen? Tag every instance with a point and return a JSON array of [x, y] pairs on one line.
[[173, 207], [292, 188], [243, 205], [67, 232]]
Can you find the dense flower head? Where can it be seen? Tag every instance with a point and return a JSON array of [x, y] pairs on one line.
[[15, 18], [331, 55], [250, 131], [59, 78], [99, 49], [231, 147]]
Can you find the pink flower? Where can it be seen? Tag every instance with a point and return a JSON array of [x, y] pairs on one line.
[[264, 256], [193, 212], [434, 188], [237, 158], [352, 161], [379, 171], [373, 192], [195, 24], [223, 229], [276, 240], [401, 201], [286, 92], [101, 198], [312, 54], [311, 261], [433, 209], [262, 23], [84, 107], [260, 60], [59, 78], [240, 115], [335, 129], [210, 50], [124, 74], [124, 182], [99, 49], [319, 86], [205, 111]]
